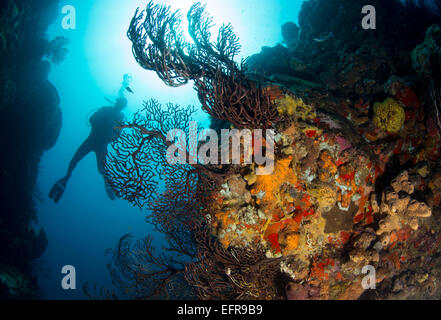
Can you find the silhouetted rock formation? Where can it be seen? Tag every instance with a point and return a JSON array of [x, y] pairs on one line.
[[30, 121]]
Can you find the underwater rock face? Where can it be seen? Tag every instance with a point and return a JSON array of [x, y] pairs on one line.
[[43, 106], [319, 185], [290, 33], [399, 207], [14, 284], [30, 122], [339, 220], [426, 56], [355, 180]]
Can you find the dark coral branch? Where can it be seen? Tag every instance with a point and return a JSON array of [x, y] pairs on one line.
[[211, 56], [224, 89], [435, 94], [234, 273], [137, 160], [158, 44], [236, 99], [136, 165], [139, 271]]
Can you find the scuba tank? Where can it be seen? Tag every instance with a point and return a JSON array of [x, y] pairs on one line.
[[91, 112]]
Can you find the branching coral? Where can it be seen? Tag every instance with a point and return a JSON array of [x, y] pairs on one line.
[[234, 273], [138, 169], [214, 272], [141, 273], [234, 241], [235, 98], [137, 162], [178, 213], [223, 87], [138, 269], [436, 103], [139, 156]]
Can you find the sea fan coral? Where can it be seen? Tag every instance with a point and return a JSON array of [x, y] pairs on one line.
[[311, 219], [224, 87]]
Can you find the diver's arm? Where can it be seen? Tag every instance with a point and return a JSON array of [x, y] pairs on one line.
[[58, 189], [93, 118]]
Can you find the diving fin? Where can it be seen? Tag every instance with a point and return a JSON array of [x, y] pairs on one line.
[[109, 191], [58, 189]]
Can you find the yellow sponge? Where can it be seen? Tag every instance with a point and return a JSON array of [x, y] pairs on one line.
[[389, 115]]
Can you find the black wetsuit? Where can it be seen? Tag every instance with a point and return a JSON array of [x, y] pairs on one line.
[[103, 131]]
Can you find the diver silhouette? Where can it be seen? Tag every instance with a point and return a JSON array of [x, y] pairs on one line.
[[103, 131]]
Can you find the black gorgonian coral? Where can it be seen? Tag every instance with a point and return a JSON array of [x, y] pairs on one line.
[[224, 89]]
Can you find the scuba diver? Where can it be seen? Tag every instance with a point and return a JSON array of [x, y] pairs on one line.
[[103, 131]]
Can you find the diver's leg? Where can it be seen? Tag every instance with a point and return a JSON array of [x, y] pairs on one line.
[[58, 189], [85, 148], [101, 153]]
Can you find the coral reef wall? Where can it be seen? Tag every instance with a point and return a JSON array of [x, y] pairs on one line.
[[356, 179], [363, 153], [30, 121]]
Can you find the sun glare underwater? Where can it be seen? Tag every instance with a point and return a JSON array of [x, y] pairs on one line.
[[341, 100]]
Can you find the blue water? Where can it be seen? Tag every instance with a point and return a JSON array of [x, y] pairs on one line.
[[85, 222]]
